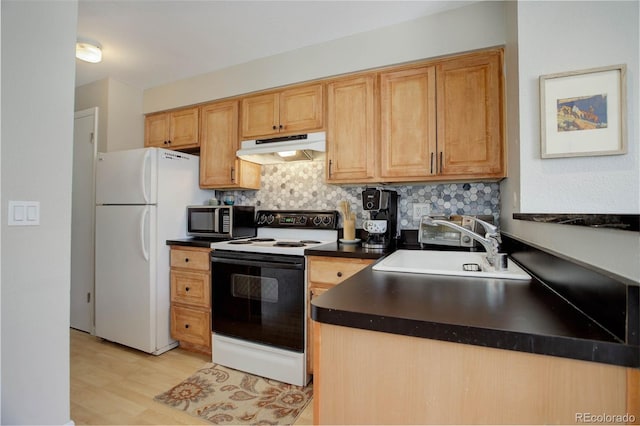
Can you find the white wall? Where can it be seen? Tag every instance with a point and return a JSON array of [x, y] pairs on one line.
[[37, 137], [120, 118], [467, 28], [555, 37], [126, 121]]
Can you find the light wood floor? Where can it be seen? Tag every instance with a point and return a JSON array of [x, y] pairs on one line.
[[112, 384]]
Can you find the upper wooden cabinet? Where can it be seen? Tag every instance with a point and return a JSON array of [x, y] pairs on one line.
[[408, 123], [443, 121], [351, 129], [219, 166], [172, 129], [438, 120], [295, 110], [470, 135]]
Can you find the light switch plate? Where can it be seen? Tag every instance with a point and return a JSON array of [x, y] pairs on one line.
[[24, 213]]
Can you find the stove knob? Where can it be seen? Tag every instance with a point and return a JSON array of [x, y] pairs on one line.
[[317, 221], [270, 219], [262, 219], [326, 220]]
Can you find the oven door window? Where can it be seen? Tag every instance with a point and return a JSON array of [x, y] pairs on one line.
[[259, 301]]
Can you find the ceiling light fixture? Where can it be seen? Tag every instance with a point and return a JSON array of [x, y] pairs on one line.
[[88, 51]]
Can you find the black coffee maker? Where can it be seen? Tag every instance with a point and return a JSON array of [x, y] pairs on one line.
[[382, 225]]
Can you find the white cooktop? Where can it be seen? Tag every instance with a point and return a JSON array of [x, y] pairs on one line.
[[310, 237]]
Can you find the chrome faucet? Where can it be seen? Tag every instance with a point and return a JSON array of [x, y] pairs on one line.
[[491, 240]]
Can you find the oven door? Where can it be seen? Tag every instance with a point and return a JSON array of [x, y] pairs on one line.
[[259, 298]]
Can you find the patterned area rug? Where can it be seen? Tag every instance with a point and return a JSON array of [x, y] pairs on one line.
[[221, 395]]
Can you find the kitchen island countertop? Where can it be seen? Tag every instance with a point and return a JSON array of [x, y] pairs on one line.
[[516, 315]]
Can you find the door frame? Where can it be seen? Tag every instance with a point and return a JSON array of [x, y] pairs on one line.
[[91, 211]]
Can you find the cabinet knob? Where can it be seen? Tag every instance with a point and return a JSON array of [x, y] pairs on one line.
[[339, 274], [186, 260], [186, 326], [274, 127], [187, 289], [281, 126]]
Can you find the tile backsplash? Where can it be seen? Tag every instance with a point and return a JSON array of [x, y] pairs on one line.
[[301, 186]]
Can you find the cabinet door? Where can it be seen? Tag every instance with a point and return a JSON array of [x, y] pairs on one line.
[[260, 115], [191, 325], [408, 123], [219, 144], [190, 258], [331, 270], [156, 130], [301, 109], [470, 140], [192, 288], [183, 128], [219, 166], [351, 129]]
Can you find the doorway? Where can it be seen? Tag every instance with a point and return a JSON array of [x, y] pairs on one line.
[[85, 142]]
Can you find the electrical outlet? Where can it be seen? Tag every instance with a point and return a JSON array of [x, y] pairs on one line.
[[421, 209]]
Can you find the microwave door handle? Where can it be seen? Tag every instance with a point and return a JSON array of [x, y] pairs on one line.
[[216, 221]]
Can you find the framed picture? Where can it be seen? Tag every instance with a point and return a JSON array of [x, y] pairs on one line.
[[582, 113]]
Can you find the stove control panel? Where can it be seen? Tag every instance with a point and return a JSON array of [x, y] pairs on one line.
[[316, 219]]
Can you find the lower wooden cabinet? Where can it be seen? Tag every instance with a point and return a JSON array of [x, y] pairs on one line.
[[191, 298], [191, 326], [323, 273]]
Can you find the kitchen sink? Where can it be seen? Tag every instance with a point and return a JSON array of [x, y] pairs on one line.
[[460, 263]]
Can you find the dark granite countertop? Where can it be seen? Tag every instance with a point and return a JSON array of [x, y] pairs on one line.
[[338, 249], [524, 316], [191, 242]]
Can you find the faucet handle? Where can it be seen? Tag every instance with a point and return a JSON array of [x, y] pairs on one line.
[[489, 228]]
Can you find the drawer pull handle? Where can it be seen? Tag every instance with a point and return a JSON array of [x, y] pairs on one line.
[[339, 274], [187, 289], [186, 260], [186, 326]]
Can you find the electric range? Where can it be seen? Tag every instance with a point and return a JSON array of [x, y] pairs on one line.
[[259, 294]]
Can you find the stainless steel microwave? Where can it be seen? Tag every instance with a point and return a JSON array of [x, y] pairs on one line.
[[221, 221]]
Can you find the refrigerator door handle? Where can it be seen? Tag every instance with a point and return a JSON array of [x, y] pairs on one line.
[[143, 245], [143, 175]]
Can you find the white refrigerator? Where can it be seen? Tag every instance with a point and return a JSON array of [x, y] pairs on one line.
[[141, 199]]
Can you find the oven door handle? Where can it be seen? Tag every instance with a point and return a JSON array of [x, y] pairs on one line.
[[258, 263]]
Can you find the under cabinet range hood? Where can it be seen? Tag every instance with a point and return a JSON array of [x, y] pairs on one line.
[[305, 147]]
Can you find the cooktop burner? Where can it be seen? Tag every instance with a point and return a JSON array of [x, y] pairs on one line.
[[261, 240], [310, 242], [289, 244], [239, 242]]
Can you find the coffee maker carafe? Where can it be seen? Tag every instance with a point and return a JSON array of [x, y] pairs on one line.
[[381, 227]]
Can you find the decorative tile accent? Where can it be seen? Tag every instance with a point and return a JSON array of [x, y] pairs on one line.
[[301, 186]]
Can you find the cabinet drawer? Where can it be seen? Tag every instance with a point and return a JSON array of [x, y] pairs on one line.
[[191, 325], [193, 288], [190, 259], [330, 270]]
